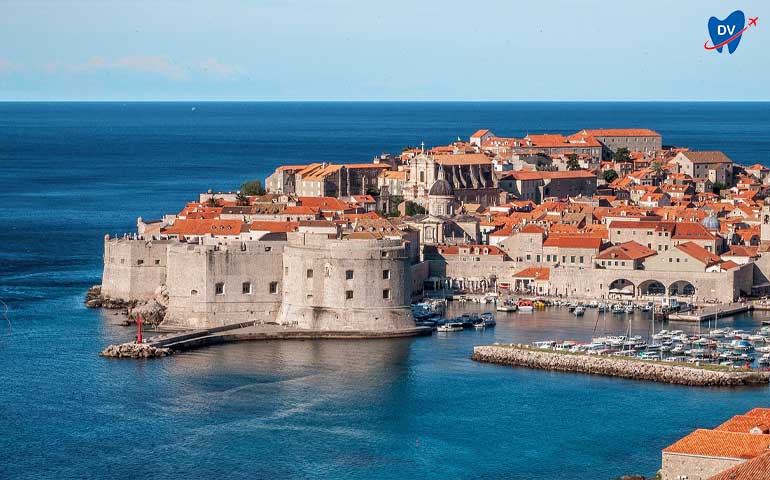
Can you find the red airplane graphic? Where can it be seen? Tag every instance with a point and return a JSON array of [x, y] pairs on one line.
[[753, 21]]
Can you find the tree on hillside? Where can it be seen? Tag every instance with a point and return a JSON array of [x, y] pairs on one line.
[[253, 188], [621, 155], [412, 209], [241, 199], [572, 162], [610, 175]]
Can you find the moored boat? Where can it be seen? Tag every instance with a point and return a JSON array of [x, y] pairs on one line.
[[525, 305]]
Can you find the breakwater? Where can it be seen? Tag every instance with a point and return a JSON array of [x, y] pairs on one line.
[[679, 374]]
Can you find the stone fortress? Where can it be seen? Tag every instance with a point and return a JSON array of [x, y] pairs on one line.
[[357, 281]]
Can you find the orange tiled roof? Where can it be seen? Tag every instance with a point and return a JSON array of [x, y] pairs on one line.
[[626, 251], [699, 253], [205, 227], [537, 273], [480, 133], [274, 227], [455, 249], [745, 423], [759, 412], [573, 242], [716, 443], [621, 132]]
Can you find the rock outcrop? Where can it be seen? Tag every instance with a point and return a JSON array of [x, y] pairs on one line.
[[134, 350], [95, 299], [152, 310], [524, 356]]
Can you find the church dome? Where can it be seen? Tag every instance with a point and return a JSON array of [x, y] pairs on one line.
[[710, 223], [441, 188]]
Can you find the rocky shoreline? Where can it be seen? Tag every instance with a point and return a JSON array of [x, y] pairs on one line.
[[135, 350], [152, 311], [524, 356]]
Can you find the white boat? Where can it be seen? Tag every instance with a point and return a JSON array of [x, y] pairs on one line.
[[762, 349], [650, 356], [525, 305], [506, 307], [764, 359], [629, 309], [757, 338], [579, 311], [450, 327], [544, 345], [618, 308], [601, 308]]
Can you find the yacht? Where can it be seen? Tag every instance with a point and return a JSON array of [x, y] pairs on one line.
[[629, 308], [579, 311], [618, 308], [506, 307]]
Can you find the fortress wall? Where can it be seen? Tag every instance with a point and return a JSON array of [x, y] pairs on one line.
[[315, 275], [133, 269], [195, 270]]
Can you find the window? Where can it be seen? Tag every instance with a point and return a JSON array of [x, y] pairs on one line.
[[246, 288], [563, 259], [348, 294], [140, 262], [572, 259], [348, 274], [384, 254], [529, 257], [309, 273], [386, 274], [386, 294], [157, 262], [537, 258], [267, 249], [273, 287], [581, 259], [122, 261], [285, 270], [547, 258], [219, 288]]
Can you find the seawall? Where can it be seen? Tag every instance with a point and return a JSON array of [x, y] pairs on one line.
[[703, 376]]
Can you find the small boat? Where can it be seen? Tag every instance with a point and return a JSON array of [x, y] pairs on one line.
[[764, 359], [602, 308], [525, 305], [579, 311], [450, 327], [629, 309], [548, 344], [506, 307], [618, 308], [757, 338], [488, 320], [539, 304]]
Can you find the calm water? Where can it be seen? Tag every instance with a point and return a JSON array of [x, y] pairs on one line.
[[380, 409]]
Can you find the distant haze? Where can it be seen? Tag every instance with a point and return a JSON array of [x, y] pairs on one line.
[[361, 50]]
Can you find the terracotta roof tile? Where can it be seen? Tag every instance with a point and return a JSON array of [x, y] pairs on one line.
[[716, 443]]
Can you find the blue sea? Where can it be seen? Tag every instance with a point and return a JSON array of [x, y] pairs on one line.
[[386, 409]]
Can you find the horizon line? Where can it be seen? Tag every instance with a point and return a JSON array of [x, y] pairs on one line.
[[372, 101]]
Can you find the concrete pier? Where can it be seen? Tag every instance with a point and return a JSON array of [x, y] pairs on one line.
[[245, 332], [712, 312], [636, 369]]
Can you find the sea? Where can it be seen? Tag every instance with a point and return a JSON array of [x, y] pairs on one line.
[[382, 409]]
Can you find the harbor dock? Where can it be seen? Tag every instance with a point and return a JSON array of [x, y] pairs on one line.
[[163, 344], [624, 367]]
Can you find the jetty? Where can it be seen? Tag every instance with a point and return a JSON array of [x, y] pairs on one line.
[[708, 313], [165, 344], [631, 368]]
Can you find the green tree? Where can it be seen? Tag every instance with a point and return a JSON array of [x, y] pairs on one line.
[[373, 191], [572, 162], [657, 167], [621, 155], [241, 199], [412, 209], [253, 188], [212, 201], [610, 175]]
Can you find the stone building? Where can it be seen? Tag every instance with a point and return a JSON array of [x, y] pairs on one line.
[[634, 139], [714, 166], [537, 186], [470, 175]]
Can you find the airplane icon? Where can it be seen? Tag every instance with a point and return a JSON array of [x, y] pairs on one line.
[[753, 21]]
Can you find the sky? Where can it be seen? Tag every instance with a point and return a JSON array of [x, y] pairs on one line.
[[353, 50]]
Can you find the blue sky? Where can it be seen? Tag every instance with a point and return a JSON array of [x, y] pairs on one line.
[[378, 50]]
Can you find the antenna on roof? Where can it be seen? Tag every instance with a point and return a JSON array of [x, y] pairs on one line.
[[422, 146]]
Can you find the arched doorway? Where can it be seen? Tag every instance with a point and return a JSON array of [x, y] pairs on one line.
[[652, 288], [681, 288], [621, 288]]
